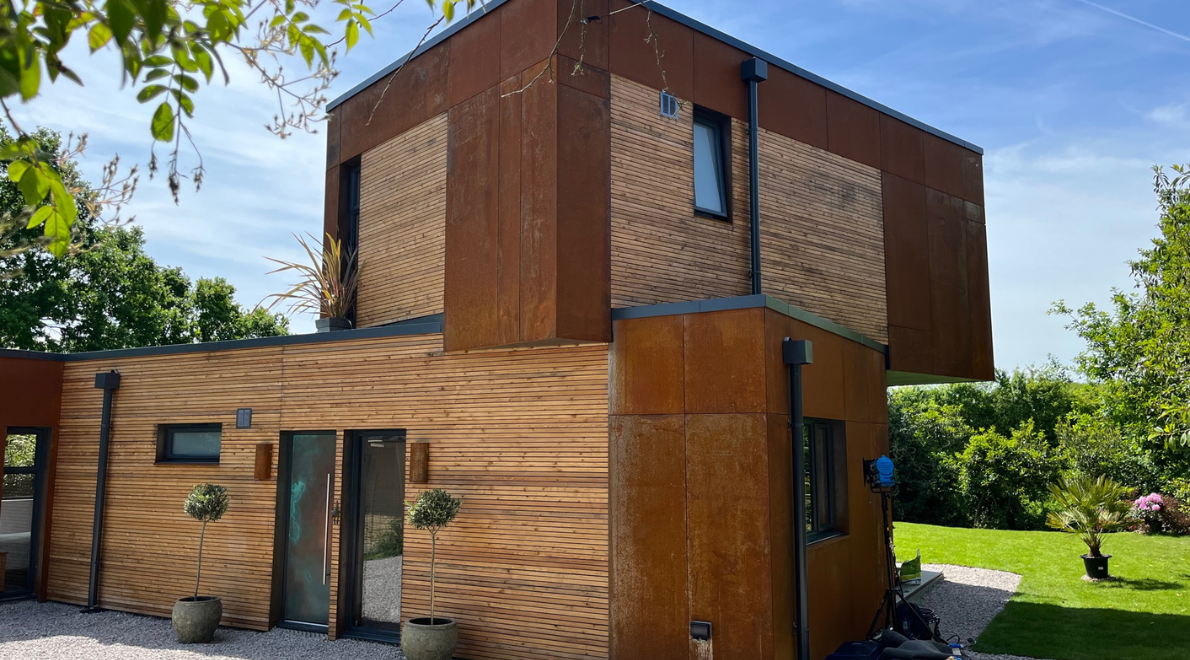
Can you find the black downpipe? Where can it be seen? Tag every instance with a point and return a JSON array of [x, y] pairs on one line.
[[754, 72], [795, 354], [109, 382]]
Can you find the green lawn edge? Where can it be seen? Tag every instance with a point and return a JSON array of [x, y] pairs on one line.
[[1056, 615]]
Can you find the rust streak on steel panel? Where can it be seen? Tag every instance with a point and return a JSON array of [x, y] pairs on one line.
[[472, 223], [647, 506], [853, 129], [794, 107]]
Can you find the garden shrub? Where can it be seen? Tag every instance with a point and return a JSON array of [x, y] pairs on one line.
[[1004, 479], [1174, 519], [924, 436], [390, 542], [1092, 445]]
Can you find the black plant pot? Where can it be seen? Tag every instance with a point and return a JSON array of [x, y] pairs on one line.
[[332, 324], [1096, 566]]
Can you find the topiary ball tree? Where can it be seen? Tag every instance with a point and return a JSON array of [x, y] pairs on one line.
[[433, 510], [205, 503]]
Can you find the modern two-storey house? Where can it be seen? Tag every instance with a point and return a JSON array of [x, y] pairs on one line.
[[584, 229]]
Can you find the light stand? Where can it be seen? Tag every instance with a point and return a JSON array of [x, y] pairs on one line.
[[879, 476]]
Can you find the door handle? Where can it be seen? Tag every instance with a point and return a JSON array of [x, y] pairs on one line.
[[326, 531]]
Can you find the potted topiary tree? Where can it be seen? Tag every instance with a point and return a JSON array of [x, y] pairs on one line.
[[431, 638], [1090, 508], [196, 617]]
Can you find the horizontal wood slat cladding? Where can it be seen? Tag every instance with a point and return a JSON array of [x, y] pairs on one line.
[[822, 234], [661, 251], [402, 226], [520, 435]]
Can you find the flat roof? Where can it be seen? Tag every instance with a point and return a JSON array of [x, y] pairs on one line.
[[432, 324], [688, 22]]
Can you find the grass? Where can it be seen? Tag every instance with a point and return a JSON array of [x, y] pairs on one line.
[[1145, 615]]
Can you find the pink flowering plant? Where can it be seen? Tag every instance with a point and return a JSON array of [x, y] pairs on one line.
[[1147, 508]]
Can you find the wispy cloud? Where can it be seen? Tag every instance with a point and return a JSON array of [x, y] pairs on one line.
[[1129, 17]]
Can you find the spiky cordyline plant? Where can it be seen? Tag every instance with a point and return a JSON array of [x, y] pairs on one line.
[[326, 285], [1089, 508]]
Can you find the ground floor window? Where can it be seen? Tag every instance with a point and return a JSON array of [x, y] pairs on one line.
[[824, 451]]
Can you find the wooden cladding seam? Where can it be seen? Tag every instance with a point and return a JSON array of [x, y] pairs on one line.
[[402, 226]]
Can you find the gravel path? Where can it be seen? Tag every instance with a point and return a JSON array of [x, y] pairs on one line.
[[967, 599], [53, 631]]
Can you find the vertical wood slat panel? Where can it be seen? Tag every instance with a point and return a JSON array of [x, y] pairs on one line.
[[520, 435], [402, 226]]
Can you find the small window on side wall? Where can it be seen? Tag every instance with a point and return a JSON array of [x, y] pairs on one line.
[[189, 443], [825, 458], [710, 165]]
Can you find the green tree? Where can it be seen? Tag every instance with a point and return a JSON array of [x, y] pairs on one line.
[[109, 293], [1138, 349], [924, 435]]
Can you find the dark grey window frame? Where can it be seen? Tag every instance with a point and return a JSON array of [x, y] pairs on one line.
[[165, 435], [834, 458], [721, 124]]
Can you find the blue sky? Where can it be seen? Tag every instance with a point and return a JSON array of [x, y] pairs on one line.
[[1072, 100]]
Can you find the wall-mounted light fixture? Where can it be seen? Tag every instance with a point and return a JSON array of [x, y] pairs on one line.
[[700, 631]]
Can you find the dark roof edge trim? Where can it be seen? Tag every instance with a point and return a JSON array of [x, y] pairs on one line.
[[690, 23], [411, 327], [747, 302]]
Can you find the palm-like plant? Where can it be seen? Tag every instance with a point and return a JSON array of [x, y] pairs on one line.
[[1089, 508], [326, 284]]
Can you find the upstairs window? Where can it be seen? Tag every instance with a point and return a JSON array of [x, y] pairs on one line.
[[710, 172], [189, 443]]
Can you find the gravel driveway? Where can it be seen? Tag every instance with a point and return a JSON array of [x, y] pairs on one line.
[[967, 599], [32, 631]]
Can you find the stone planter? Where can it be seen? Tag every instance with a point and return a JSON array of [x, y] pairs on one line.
[[1096, 566], [421, 640], [332, 324], [195, 619]]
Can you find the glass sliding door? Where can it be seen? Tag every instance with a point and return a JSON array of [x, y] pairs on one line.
[[378, 533], [24, 459], [308, 492]]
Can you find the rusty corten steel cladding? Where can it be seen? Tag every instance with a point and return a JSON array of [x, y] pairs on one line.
[[723, 462], [563, 185]]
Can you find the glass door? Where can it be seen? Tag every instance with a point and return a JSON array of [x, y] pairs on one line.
[[378, 506], [20, 499], [308, 489]]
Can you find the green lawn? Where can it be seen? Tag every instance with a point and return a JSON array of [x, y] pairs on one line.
[[1055, 614]]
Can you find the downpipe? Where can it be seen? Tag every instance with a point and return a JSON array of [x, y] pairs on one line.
[[754, 72], [108, 382], [797, 353]]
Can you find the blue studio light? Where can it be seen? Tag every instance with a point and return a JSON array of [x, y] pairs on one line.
[[884, 468]]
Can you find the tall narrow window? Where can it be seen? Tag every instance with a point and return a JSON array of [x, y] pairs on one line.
[[352, 183], [710, 176], [823, 459]]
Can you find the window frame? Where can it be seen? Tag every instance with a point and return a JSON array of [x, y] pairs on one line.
[[816, 529], [165, 433], [721, 124]]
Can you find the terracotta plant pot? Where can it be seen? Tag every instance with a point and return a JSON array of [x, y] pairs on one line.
[[195, 619], [1096, 566], [332, 324], [421, 640]]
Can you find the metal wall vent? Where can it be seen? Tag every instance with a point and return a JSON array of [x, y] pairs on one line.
[[669, 105]]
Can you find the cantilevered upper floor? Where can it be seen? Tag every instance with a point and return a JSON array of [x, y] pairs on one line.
[[543, 161]]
